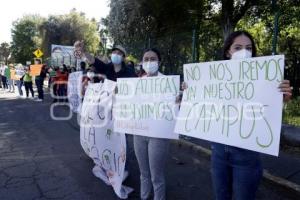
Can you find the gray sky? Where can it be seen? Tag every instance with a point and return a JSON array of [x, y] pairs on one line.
[[11, 10]]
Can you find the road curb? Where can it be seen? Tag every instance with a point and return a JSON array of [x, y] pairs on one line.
[[278, 181]]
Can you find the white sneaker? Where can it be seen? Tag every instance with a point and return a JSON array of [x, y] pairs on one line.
[[38, 100]]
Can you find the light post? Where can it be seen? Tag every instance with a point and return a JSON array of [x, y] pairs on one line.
[[195, 37], [103, 41], [276, 19]]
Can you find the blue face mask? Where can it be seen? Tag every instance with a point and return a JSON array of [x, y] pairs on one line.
[[116, 59]]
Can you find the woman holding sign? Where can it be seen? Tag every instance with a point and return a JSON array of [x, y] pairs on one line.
[[236, 172], [151, 152]]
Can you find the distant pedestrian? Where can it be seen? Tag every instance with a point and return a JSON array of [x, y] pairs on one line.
[[28, 82], [20, 75], [10, 81], [3, 77], [39, 82]]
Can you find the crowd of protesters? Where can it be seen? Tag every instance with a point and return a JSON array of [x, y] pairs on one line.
[[19, 76], [236, 172]]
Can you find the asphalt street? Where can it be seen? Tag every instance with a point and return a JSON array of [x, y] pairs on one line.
[[41, 158]]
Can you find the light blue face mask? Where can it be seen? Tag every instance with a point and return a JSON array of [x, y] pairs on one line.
[[116, 59]]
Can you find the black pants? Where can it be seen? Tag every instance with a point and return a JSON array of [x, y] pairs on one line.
[[28, 86], [4, 82], [39, 84]]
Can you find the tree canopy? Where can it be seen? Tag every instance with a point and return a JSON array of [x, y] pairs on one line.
[[32, 31]]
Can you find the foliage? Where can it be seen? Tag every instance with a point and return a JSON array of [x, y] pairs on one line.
[[4, 52], [66, 29], [32, 31], [25, 37], [291, 114]]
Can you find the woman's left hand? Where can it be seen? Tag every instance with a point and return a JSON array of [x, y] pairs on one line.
[[286, 89]]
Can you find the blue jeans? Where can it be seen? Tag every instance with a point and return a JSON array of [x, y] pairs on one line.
[[19, 85], [236, 172]]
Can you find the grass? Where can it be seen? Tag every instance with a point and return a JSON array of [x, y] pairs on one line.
[[292, 120]]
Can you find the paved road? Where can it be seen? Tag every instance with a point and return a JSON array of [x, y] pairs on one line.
[[41, 158]]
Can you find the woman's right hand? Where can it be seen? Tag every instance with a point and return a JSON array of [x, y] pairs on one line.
[[79, 46]]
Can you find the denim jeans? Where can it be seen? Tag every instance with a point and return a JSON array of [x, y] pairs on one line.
[[236, 172], [19, 85], [11, 85]]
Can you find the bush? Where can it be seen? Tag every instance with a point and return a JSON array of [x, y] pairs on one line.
[[291, 112]]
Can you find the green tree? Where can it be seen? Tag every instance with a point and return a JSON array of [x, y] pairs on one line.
[[4, 52], [26, 37], [66, 29], [167, 25]]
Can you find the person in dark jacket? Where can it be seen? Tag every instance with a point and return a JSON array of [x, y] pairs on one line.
[[39, 82], [113, 70]]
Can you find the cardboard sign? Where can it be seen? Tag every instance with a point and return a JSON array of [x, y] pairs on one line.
[[35, 70], [146, 106], [234, 102]]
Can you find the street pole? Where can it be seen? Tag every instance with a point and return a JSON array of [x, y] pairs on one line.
[[194, 45], [149, 42], [276, 28]]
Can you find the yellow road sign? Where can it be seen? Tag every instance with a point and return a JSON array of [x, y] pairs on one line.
[[38, 53]]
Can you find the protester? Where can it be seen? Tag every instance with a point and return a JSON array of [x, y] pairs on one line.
[[83, 67], [39, 82], [3, 77], [20, 75], [54, 83], [61, 83], [130, 64], [73, 69], [113, 70], [151, 152], [236, 172], [28, 82], [10, 81]]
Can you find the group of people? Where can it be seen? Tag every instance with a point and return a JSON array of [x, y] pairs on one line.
[[236, 172], [19, 75]]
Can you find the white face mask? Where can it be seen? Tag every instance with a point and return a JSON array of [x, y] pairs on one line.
[[90, 74], [137, 68], [241, 54], [150, 67]]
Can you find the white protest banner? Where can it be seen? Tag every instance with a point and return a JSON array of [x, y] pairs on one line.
[[74, 91], [146, 106], [62, 55], [234, 102], [106, 147]]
